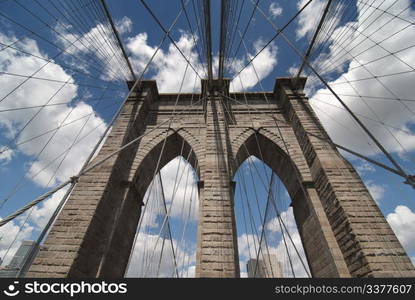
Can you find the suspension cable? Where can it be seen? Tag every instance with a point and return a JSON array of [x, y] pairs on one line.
[[410, 179]]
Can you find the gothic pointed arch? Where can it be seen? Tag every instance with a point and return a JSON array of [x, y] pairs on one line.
[[155, 153], [309, 215], [269, 148], [160, 149]]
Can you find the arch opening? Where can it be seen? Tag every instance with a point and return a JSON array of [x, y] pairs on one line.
[[159, 152], [269, 242], [165, 239]]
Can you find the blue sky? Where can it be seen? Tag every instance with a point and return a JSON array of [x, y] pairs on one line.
[[95, 95]]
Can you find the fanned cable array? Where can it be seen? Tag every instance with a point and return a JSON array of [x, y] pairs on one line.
[[63, 75]]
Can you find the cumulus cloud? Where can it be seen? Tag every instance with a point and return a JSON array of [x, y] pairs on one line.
[[16, 129], [245, 242], [33, 93], [308, 18], [372, 108], [263, 64], [41, 213], [288, 224], [168, 66], [292, 71], [180, 192], [181, 196], [364, 168], [288, 219], [124, 25], [274, 10], [402, 221], [376, 190], [148, 252], [93, 47], [11, 236], [6, 155], [27, 226], [276, 246]]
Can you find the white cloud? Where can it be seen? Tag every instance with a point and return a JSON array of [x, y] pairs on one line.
[[13, 232], [293, 70], [94, 51], [402, 221], [297, 265], [27, 226], [398, 137], [180, 192], [6, 155], [244, 274], [41, 213], [125, 25], [263, 64], [182, 205], [276, 245], [146, 255], [308, 19], [33, 93], [189, 272], [246, 244], [275, 10], [376, 190], [365, 168], [169, 66], [289, 222]]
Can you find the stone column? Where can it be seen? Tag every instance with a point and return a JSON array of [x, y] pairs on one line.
[[323, 253], [217, 250], [369, 246], [76, 244]]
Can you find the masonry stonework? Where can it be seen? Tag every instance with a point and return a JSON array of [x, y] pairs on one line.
[[343, 232]]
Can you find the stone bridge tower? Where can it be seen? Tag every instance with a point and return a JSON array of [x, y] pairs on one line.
[[343, 232]]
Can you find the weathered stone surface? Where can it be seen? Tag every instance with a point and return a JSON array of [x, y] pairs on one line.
[[360, 229]]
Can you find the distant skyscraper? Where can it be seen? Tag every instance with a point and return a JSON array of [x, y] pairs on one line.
[[272, 266], [255, 268], [268, 267], [18, 260]]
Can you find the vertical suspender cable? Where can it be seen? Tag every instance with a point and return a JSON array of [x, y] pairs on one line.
[[208, 33], [409, 178], [223, 22]]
